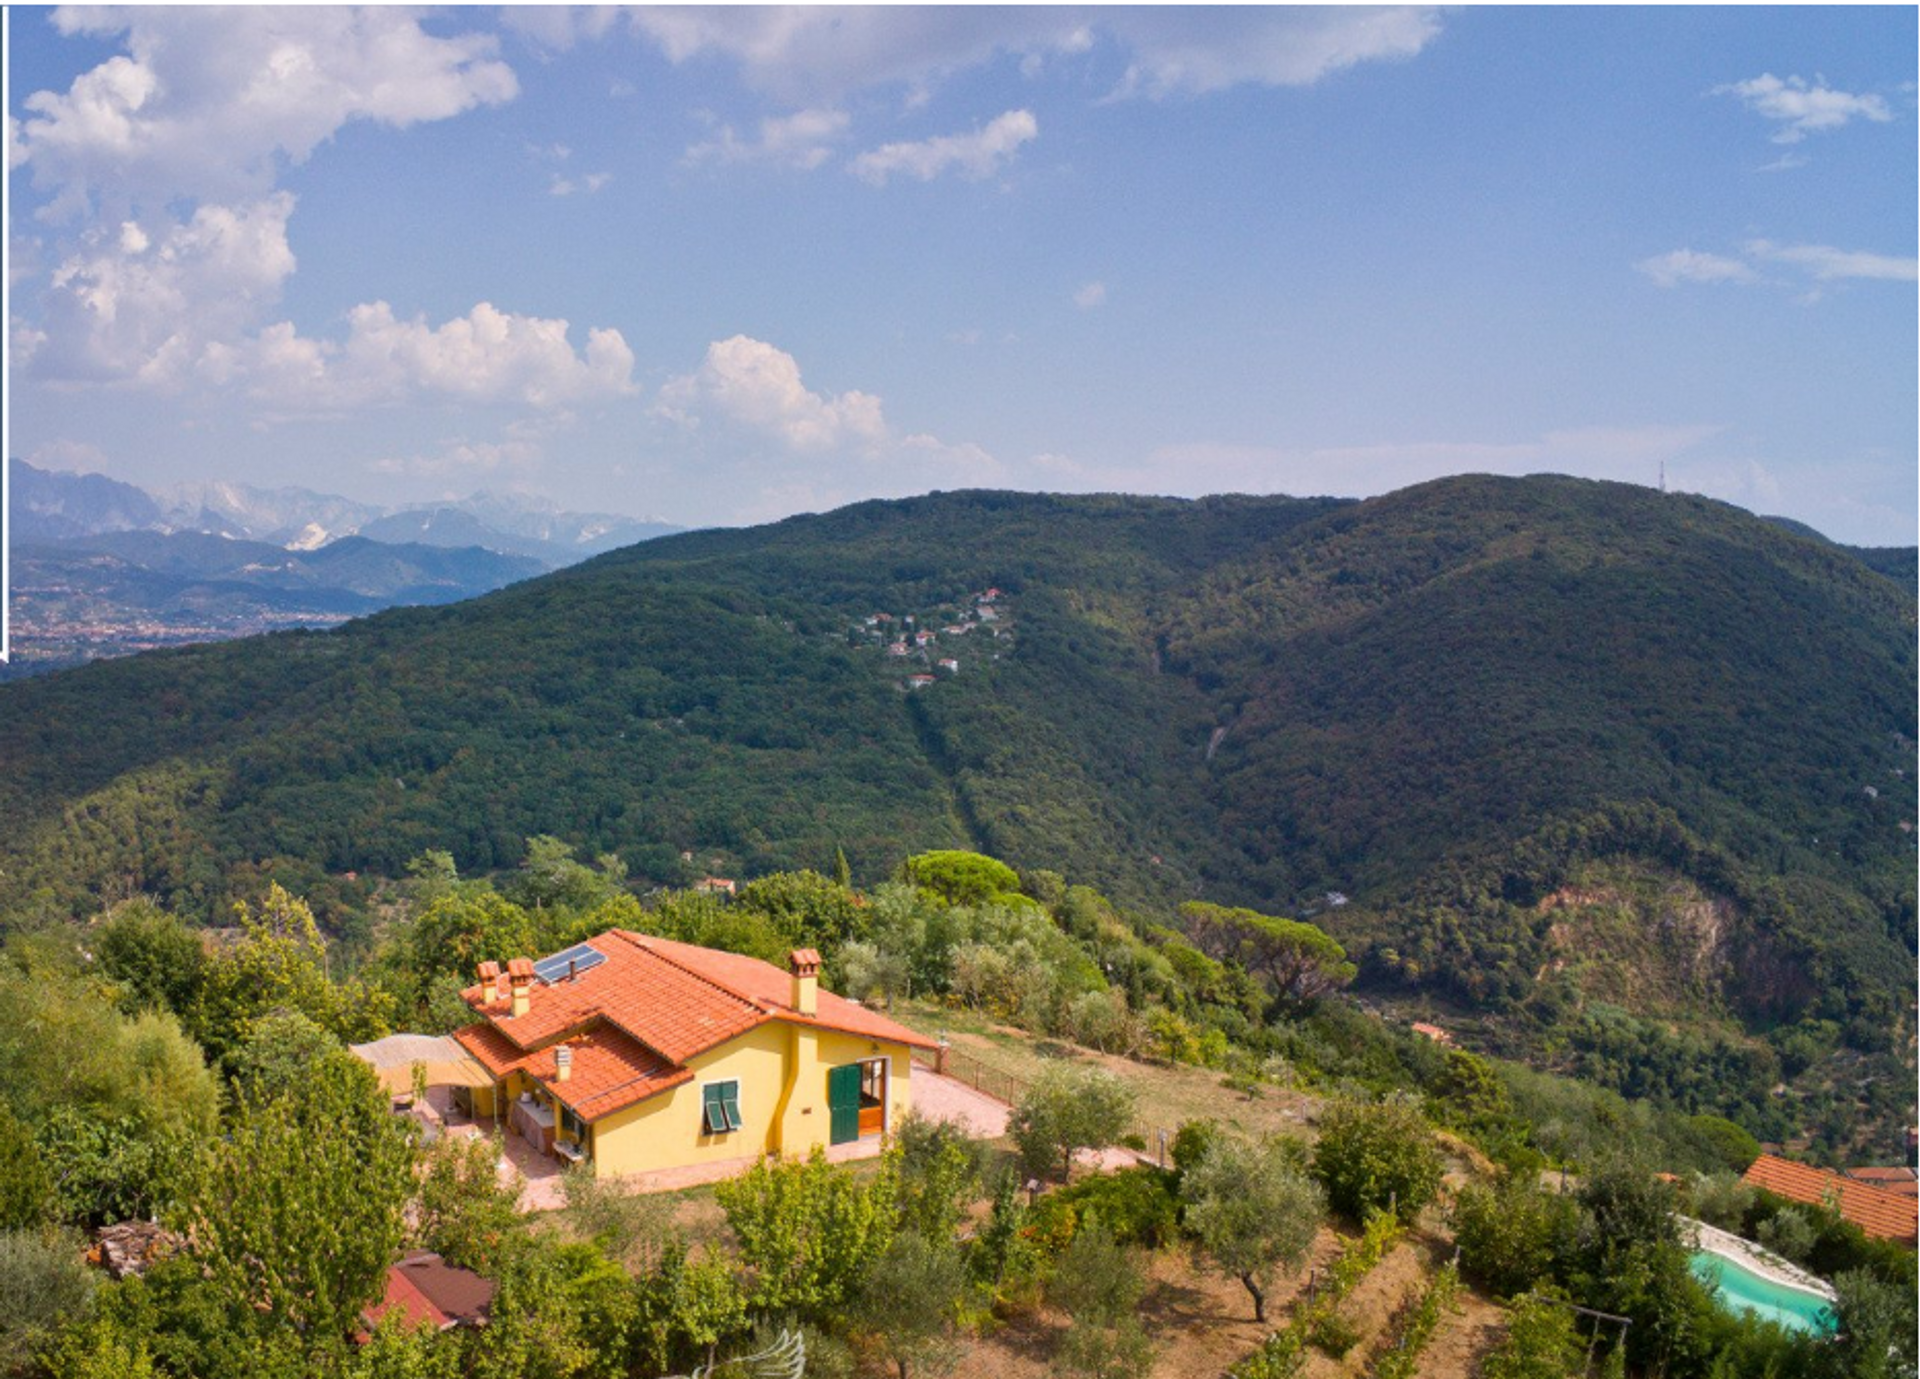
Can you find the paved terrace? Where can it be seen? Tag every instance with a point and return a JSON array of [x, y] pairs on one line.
[[540, 1177]]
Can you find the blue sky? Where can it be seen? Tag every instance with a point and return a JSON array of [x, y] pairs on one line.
[[720, 266]]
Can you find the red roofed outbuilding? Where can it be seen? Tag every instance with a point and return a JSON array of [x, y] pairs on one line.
[[1881, 1214], [425, 1290]]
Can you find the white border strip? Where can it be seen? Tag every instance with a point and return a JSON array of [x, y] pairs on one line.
[[6, 356]]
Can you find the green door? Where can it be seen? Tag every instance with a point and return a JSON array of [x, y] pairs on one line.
[[843, 1103]]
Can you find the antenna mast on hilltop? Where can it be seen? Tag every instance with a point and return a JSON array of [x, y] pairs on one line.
[[1663, 476]]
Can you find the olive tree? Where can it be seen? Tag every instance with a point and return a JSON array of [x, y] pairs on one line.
[[1252, 1212], [1067, 1110]]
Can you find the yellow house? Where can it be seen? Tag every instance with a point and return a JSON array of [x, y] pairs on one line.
[[638, 1054]]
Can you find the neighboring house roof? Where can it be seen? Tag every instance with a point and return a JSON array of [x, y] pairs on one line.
[[1885, 1215], [1897, 1179], [635, 1019], [428, 1291]]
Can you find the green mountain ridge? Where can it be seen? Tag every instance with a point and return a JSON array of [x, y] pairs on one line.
[[1448, 704]]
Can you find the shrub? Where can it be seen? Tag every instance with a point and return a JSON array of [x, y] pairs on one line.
[[1005, 1258], [1377, 1156], [940, 1167], [1192, 1141], [1281, 1356], [1138, 1205], [1097, 1280], [1541, 1343], [43, 1285], [1721, 1199], [809, 1231], [1789, 1233], [1509, 1235]]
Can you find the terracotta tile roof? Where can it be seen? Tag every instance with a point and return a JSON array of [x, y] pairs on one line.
[[664, 1006], [610, 1070], [1879, 1213], [677, 999], [428, 1291], [1897, 1180], [771, 990]]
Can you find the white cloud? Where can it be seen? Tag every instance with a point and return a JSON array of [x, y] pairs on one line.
[[976, 155], [1093, 294], [1824, 263], [143, 302], [559, 27], [802, 140], [752, 384], [171, 305], [567, 186], [1195, 51], [1691, 266], [1801, 107], [76, 457], [203, 111], [465, 458], [486, 355], [803, 54], [808, 56], [747, 391], [207, 100]]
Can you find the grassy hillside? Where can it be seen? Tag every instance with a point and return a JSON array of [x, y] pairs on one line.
[[1449, 704]]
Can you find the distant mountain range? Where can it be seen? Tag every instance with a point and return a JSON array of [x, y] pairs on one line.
[[102, 567], [50, 505]]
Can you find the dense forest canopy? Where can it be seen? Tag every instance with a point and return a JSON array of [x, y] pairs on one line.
[[1625, 776]]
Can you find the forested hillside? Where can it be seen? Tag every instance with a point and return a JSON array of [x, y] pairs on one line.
[[1552, 742]]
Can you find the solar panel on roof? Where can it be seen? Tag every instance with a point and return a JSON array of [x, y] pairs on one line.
[[582, 957]]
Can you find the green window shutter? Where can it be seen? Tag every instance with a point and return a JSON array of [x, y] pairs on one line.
[[843, 1103], [730, 1104], [713, 1109]]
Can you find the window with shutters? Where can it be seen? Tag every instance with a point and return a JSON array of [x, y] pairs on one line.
[[720, 1108]]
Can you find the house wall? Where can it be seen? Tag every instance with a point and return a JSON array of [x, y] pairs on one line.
[[782, 1071]]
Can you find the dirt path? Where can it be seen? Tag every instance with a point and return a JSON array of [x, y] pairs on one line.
[[1463, 1339]]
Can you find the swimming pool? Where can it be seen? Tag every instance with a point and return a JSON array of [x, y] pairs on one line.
[[1742, 1289]]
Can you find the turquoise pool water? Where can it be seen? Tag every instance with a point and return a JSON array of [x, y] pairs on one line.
[[1746, 1291]]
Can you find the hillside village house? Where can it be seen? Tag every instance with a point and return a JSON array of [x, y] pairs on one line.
[[638, 1054]]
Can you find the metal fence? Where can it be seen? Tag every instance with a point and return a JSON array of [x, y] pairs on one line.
[[982, 1077], [1005, 1086]]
